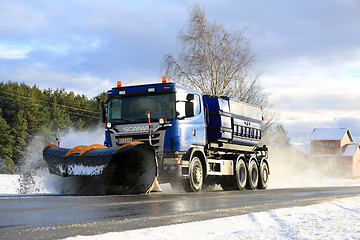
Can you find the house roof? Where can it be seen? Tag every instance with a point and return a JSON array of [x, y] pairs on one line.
[[351, 149], [330, 134]]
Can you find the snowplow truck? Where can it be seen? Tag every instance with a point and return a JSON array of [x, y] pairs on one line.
[[172, 134]]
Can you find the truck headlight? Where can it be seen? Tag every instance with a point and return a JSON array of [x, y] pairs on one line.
[[172, 161]]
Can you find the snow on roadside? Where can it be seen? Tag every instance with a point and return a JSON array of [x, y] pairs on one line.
[[43, 183], [337, 219], [9, 184]]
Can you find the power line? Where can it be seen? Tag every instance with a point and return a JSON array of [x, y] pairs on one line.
[[36, 104], [50, 103]]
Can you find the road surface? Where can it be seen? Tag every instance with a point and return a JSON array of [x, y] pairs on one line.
[[53, 217]]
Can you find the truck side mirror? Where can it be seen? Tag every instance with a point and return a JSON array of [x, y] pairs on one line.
[[102, 112], [189, 105], [189, 109], [190, 97]]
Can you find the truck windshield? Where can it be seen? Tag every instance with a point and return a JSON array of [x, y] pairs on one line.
[[134, 109]]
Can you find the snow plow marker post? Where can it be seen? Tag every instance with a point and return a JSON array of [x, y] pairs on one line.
[[131, 168]]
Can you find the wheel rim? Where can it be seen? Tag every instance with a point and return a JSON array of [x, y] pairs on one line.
[[254, 175], [265, 174], [242, 174], [196, 173]]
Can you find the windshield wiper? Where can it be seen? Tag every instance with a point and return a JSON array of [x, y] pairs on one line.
[[125, 120], [133, 120]]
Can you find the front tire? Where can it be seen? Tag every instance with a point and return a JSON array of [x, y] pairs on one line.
[[195, 180]]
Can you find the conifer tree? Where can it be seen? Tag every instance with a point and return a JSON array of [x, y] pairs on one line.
[[20, 131], [28, 112], [6, 149]]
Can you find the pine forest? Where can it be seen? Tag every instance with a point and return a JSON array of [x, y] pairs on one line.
[[27, 111]]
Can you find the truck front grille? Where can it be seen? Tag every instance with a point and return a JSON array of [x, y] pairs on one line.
[[155, 139]]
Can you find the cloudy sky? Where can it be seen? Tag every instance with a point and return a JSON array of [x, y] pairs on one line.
[[308, 52]]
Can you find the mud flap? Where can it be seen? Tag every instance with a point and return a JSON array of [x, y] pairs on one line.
[[131, 168]]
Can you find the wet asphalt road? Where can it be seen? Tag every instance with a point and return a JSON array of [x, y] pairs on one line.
[[53, 217]]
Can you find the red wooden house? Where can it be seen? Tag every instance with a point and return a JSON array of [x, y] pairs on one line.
[[335, 151]]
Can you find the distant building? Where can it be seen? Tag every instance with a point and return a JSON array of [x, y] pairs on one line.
[[335, 151]]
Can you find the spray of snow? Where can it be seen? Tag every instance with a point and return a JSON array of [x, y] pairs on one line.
[[34, 177], [292, 168], [74, 138]]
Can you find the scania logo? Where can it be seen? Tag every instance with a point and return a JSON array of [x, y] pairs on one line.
[[136, 128]]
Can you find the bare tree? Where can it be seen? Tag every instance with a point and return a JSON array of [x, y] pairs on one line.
[[216, 62]]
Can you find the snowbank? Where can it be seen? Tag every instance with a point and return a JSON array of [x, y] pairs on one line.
[[43, 183], [333, 220], [9, 184]]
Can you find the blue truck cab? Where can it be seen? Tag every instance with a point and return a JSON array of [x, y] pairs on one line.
[[199, 140]]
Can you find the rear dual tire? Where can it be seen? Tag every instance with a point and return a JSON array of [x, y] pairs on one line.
[[258, 176], [264, 175], [240, 174], [238, 181], [253, 175]]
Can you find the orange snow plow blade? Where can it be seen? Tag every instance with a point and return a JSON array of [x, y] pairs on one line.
[[131, 168]]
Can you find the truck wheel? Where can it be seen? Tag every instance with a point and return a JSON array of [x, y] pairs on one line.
[[195, 181], [241, 174], [264, 176], [253, 176]]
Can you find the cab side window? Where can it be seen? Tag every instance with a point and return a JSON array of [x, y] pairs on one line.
[[181, 100]]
